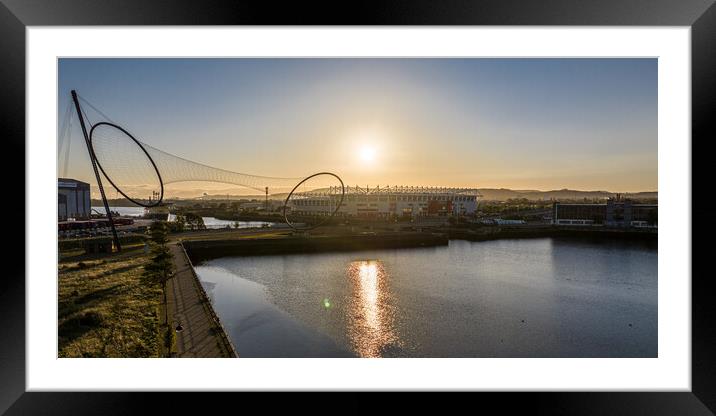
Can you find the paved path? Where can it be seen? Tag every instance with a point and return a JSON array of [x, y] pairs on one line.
[[187, 304]]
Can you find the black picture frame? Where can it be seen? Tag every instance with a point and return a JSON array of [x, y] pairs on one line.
[[700, 15]]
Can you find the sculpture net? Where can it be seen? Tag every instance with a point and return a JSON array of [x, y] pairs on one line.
[[126, 165], [140, 173]]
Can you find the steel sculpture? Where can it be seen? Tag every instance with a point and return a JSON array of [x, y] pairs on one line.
[[126, 161], [335, 211]]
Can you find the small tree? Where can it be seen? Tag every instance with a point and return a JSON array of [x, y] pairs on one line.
[[160, 266], [194, 221], [178, 224], [158, 232]]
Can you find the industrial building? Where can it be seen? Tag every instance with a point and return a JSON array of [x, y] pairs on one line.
[[73, 199], [617, 212], [388, 202]]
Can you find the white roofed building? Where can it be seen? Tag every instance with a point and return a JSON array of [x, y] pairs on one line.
[[388, 202]]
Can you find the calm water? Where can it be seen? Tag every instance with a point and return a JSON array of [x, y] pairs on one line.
[[210, 222], [123, 211], [215, 223], [507, 298]]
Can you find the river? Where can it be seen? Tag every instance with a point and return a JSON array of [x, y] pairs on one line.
[[505, 298], [212, 223], [209, 222], [123, 211]]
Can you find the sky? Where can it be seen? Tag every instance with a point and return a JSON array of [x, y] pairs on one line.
[[542, 124]]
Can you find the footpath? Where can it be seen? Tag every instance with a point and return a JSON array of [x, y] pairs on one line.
[[200, 332]]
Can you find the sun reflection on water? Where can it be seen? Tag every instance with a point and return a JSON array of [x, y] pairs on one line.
[[370, 311]]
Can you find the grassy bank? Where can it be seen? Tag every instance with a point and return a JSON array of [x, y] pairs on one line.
[[107, 309], [200, 250], [546, 231], [207, 246], [68, 244]]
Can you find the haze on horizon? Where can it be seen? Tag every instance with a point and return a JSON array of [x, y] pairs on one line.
[[542, 124]]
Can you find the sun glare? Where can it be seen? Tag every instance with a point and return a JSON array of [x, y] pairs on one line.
[[367, 154]]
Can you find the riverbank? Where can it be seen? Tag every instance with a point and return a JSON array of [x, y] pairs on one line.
[[105, 307], [550, 231], [339, 239], [200, 250], [197, 330]]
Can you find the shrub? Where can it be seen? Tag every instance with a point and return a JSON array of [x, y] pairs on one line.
[[160, 266]]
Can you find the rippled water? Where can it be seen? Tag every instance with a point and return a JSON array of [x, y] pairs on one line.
[[507, 298]]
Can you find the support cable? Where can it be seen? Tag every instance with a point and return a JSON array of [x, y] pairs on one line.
[[69, 144]]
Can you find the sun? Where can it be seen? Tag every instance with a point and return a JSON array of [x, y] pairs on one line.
[[367, 154]]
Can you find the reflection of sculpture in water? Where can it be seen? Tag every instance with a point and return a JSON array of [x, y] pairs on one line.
[[370, 310]]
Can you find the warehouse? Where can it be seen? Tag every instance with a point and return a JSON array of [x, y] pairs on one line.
[[73, 199], [617, 212]]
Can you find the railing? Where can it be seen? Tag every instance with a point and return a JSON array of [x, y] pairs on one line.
[[387, 190], [205, 298]]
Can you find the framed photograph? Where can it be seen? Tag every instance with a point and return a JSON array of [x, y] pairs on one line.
[[487, 199]]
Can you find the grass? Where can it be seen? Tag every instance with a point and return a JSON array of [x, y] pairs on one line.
[[106, 308], [230, 235]]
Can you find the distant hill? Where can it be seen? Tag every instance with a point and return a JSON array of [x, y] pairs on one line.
[[503, 194]]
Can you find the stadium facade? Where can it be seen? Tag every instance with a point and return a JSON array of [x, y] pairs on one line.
[[388, 202]]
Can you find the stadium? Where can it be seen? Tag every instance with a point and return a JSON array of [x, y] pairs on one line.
[[388, 202]]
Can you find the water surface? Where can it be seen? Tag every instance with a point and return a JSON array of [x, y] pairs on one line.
[[212, 223], [209, 222], [123, 211], [506, 298]]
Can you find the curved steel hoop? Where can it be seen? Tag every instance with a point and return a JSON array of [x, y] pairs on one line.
[[159, 176], [161, 181], [338, 206]]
